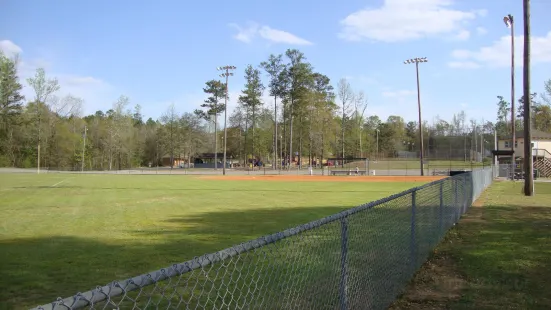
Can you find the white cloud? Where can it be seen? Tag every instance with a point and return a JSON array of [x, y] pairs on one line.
[[481, 31], [499, 53], [97, 94], [399, 20], [463, 35], [247, 34], [9, 48]]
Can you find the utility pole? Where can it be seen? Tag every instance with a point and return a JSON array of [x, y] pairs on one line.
[[275, 134], [495, 146], [528, 159], [416, 61], [377, 143], [482, 146], [83, 149], [225, 74], [509, 22]]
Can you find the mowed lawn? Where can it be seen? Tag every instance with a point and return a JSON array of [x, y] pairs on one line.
[[65, 233], [498, 257]]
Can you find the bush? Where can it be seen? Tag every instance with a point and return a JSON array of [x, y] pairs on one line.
[[5, 161], [27, 163]]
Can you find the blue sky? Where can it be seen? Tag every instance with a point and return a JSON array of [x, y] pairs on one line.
[[158, 53]]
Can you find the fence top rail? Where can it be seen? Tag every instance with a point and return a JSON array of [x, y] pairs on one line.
[[117, 288]]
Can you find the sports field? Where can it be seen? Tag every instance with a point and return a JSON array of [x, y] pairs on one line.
[[64, 233]]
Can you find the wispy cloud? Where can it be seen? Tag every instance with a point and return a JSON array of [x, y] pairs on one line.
[[249, 33], [9, 48], [96, 93], [399, 20], [481, 31], [498, 53], [463, 35]]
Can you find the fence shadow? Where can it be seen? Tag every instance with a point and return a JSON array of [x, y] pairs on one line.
[[59, 266]]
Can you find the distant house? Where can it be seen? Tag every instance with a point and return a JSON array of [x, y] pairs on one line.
[[177, 160], [541, 150], [202, 160]]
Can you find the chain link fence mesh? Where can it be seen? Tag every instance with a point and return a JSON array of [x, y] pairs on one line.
[[360, 258]]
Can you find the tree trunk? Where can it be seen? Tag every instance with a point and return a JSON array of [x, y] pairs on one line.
[[111, 158], [291, 155], [342, 130], [215, 142], [253, 125], [300, 142], [361, 147], [310, 139], [245, 159], [322, 144], [10, 147], [284, 144]]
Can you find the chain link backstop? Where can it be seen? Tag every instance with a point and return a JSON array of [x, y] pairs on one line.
[[360, 258]]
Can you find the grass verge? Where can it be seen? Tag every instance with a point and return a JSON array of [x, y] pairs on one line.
[[498, 257]]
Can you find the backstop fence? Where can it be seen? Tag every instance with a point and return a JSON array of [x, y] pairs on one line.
[[360, 258]]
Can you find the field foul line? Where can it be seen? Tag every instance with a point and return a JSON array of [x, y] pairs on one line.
[[60, 182]]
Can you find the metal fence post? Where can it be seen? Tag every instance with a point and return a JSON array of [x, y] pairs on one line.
[[441, 215], [466, 197], [412, 245], [344, 264], [457, 205]]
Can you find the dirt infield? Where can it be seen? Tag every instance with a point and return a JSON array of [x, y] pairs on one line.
[[322, 178]]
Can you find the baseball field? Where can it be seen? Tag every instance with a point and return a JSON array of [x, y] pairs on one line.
[[65, 233]]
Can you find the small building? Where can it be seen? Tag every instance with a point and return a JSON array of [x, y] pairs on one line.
[[541, 151], [174, 161], [207, 160]]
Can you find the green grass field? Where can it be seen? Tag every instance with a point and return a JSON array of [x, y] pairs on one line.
[[498, 257], [65, 233]]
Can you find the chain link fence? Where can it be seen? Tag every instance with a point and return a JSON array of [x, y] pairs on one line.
[[360, 258], [387, 167]]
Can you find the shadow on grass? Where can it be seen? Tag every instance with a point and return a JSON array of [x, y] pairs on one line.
[[38, 270], [301, 271]]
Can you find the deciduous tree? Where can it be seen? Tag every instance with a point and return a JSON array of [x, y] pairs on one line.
[[212, 107], [43, 89]]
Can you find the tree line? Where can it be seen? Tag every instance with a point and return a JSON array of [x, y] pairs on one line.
[[309, 120], [541, 112]]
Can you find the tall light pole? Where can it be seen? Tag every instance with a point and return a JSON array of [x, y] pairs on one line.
[[416, 61], [225, 74], [83, 149], [508, 20], [275, 135], [529, 189]]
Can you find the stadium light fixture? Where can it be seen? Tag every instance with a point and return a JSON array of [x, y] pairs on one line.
[[509, 23], [416, 61], [225, 74]]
